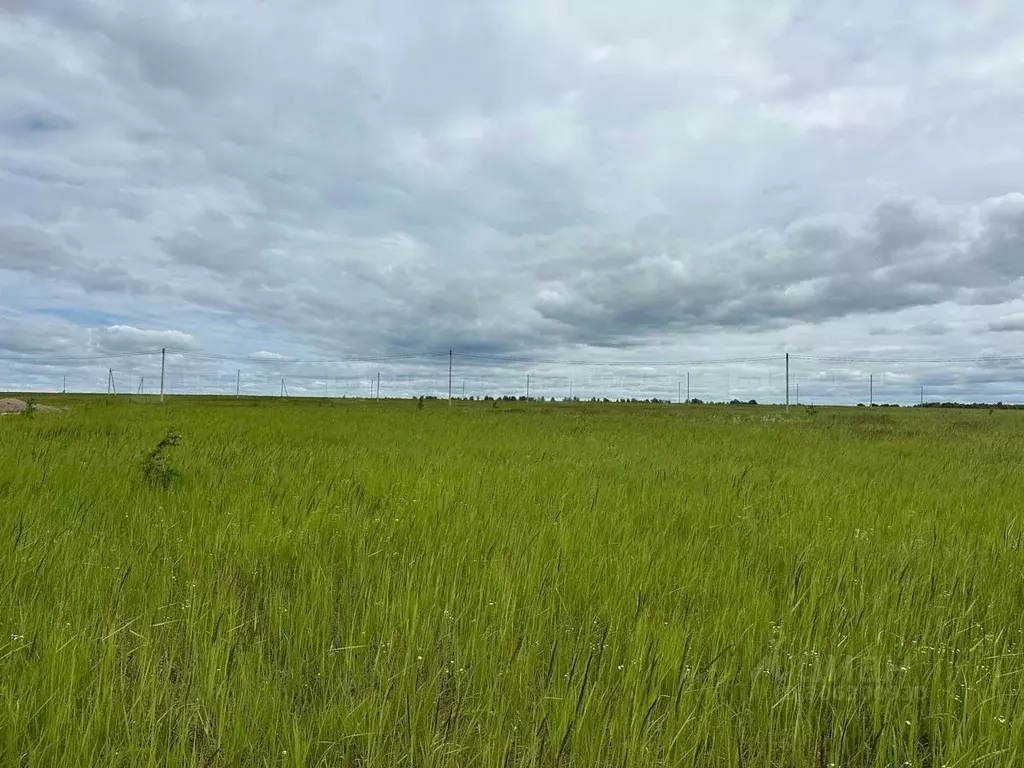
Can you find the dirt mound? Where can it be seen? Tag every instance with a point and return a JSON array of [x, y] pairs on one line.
[[14, 405]]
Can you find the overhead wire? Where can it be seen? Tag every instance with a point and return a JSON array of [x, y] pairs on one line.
[[510, 359], [46, 359]]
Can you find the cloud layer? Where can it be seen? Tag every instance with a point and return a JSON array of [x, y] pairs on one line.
[[626, 181]]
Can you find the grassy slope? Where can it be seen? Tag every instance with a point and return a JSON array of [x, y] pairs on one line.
[[375, 585]]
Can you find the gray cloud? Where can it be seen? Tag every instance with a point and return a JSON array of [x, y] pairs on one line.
[[1007, 325], [49, 255], [28, 335], [815, 270]]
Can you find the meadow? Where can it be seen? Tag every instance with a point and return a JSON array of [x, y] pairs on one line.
[[364, 584]]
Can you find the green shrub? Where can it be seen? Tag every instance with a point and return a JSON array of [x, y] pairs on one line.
[[155, 465]]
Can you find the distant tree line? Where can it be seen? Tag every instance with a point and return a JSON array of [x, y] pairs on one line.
[[650, 400], [988, 406], [697, 401]]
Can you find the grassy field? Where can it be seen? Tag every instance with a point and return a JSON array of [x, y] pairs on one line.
[[374, 584]]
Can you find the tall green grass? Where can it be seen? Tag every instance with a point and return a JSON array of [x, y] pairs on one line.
[[371, 584]]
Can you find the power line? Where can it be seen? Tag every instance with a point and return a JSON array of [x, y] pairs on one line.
[[46, 359], [912, 360], [509, 359], [600, 363], [294, 361]]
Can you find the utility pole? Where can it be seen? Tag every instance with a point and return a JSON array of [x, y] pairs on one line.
[[449, 378], [679, 392], [787, 380], [111, 386], [238, 382], [142, 381], [871, 391], [798, 393], [527, 386], [65, 385], [463, 389], [922, 394], [570, 389], [687, 386], [282, 386], [163, 360], [378, 385]]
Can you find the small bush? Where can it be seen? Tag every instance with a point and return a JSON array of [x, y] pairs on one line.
[[155, 465]]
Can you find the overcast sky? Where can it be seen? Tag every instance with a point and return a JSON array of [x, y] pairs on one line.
[[586, 180]]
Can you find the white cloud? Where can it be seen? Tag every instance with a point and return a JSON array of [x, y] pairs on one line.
[[126, 339]]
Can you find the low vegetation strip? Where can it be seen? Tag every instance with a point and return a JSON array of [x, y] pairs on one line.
[[312, 583]]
